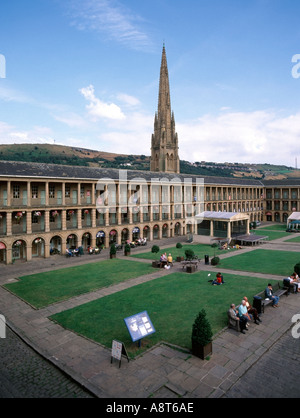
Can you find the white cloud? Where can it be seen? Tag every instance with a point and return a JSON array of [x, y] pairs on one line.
[[73, 120], [11, 135], [254, 137], [129, 100], [98, 109], [111, 18]]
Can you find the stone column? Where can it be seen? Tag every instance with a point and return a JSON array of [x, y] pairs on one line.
[[79, 194], [28, 223], [8, 223], [211, 228], [79, 220], [8, 193], [28, 194], [47, 193], [63, 220], [47, 220], [229, 230], [94, 218]]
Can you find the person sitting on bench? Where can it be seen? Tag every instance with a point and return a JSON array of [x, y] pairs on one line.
[[234, 318], [252, 311], [269, 295]]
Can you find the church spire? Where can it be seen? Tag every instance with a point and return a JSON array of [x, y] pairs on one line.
[[164, 149]]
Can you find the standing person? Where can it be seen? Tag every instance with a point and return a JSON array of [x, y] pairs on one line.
[[269, 295], [234, 318], [252, 311]]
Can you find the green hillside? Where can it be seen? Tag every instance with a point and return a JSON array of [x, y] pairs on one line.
[[60, 154]]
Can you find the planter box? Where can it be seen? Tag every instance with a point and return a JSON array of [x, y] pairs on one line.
[[156, 264], [127, 254], [202, 351], [113, 256], [180, 259], [190, 269]]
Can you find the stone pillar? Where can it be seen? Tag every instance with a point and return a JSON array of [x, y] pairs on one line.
[[248, 226], [28, 252], [47, 220], [79, 220], [8, 193], [47, 193], [229, 230], [28, 194], [28, 223], [93, 194], [211, 228], [8, 223], [79, 194], [63, 194], [93, 218], [63, 220], [8, 256]]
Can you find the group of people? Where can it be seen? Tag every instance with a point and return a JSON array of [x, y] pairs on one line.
[[166, 261], [218, 280], [295, 281], [137, 242], [244, 314], [72, 253]]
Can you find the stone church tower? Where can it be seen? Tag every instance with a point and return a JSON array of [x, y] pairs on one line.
[[164, 146]]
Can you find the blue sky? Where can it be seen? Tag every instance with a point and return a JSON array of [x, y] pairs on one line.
[[85, 73]]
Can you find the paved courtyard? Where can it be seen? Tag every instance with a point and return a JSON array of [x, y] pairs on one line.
[[238, 360]]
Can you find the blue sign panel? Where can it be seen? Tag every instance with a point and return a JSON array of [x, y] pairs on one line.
[[139, 326]]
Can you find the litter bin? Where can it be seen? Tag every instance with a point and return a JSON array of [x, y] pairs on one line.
[[206, 258], [258, 304]]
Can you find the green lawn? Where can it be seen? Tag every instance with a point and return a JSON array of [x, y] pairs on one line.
[[277, 227], [272, 234], [294, 239], [199, 249], [43, 289], [280, 263], [172, 303]]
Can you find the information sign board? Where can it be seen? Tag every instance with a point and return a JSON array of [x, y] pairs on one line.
[[139, 326]]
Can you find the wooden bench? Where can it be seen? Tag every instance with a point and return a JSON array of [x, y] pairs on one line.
[[260, 304]]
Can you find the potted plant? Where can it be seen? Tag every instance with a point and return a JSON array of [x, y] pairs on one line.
[[113, 251], [201, 336], [127, 249], [179, 246], [155, 250]]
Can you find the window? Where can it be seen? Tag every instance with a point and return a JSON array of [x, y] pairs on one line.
[[34, 192], [51, 192], [16, 191], [67, 191]]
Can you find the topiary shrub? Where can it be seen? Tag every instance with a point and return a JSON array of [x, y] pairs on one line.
[[297, 268], [215, 261], [155, 249], [113, 251], [127, 249], [201, 332], [178, 245], [189, 254]]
